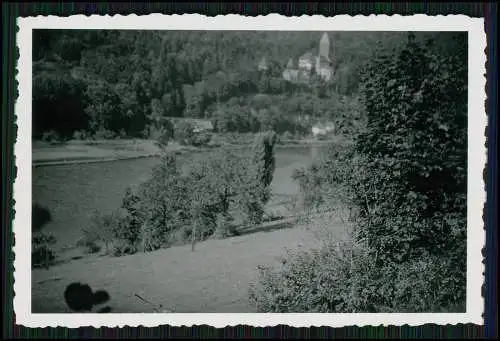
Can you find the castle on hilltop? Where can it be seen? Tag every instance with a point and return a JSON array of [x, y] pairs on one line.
[[308, 64]]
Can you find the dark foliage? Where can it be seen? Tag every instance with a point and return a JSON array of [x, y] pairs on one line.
[[42, 254], [39, 217], [111, 80], [416, 150]]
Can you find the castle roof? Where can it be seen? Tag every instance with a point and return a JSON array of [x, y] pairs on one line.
[[308, 55]]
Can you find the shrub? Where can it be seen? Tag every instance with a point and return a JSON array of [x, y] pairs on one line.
[[91, 246], [100, 230], [104, 134], [52, 137], [126, 234], [80, 135], [347, 279], [201, 139], [287, 136], [184, 133], [225, 226], [132, 217], [42, 254], [116, 230], [323, 280], [122, 133], [161, 130]]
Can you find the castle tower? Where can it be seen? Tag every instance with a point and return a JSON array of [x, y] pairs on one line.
[[323, 63], [324, 46]]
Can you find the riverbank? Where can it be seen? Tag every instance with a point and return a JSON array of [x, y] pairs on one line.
[[74, 151], [95, 151]]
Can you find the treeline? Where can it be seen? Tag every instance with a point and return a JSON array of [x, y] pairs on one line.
[[109, 82], [405, 180]]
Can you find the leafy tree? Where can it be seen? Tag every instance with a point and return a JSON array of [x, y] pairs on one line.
[[416, 143], [103, 106], [163, 201], [259, 177], [57, 103], [216, 184], [133, 218]]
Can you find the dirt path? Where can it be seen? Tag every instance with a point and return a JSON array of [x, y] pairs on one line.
[[214, 278]]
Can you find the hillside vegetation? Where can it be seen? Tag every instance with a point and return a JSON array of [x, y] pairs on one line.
[[108, 83]]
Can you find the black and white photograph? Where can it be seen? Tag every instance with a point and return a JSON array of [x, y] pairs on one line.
[[328, 166]]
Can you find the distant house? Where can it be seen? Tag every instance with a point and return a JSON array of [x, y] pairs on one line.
[[318, 129], [322, 129], [199, 125]]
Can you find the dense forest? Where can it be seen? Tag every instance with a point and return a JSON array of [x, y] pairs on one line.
[[127, 83]]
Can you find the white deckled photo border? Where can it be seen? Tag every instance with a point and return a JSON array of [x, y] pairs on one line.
[[477, 153]]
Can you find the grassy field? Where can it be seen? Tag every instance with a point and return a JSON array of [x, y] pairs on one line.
[[213, 278]]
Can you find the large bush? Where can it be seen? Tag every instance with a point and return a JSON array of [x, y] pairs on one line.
[[120, 231], [348, 279], [42, 252], [416, 150]]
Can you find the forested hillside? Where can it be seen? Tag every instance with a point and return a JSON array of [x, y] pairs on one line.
[[91, 82]]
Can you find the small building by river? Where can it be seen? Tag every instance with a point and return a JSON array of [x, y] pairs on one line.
[[320, 129]]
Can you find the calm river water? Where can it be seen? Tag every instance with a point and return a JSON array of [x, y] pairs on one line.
[[74, 192]]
